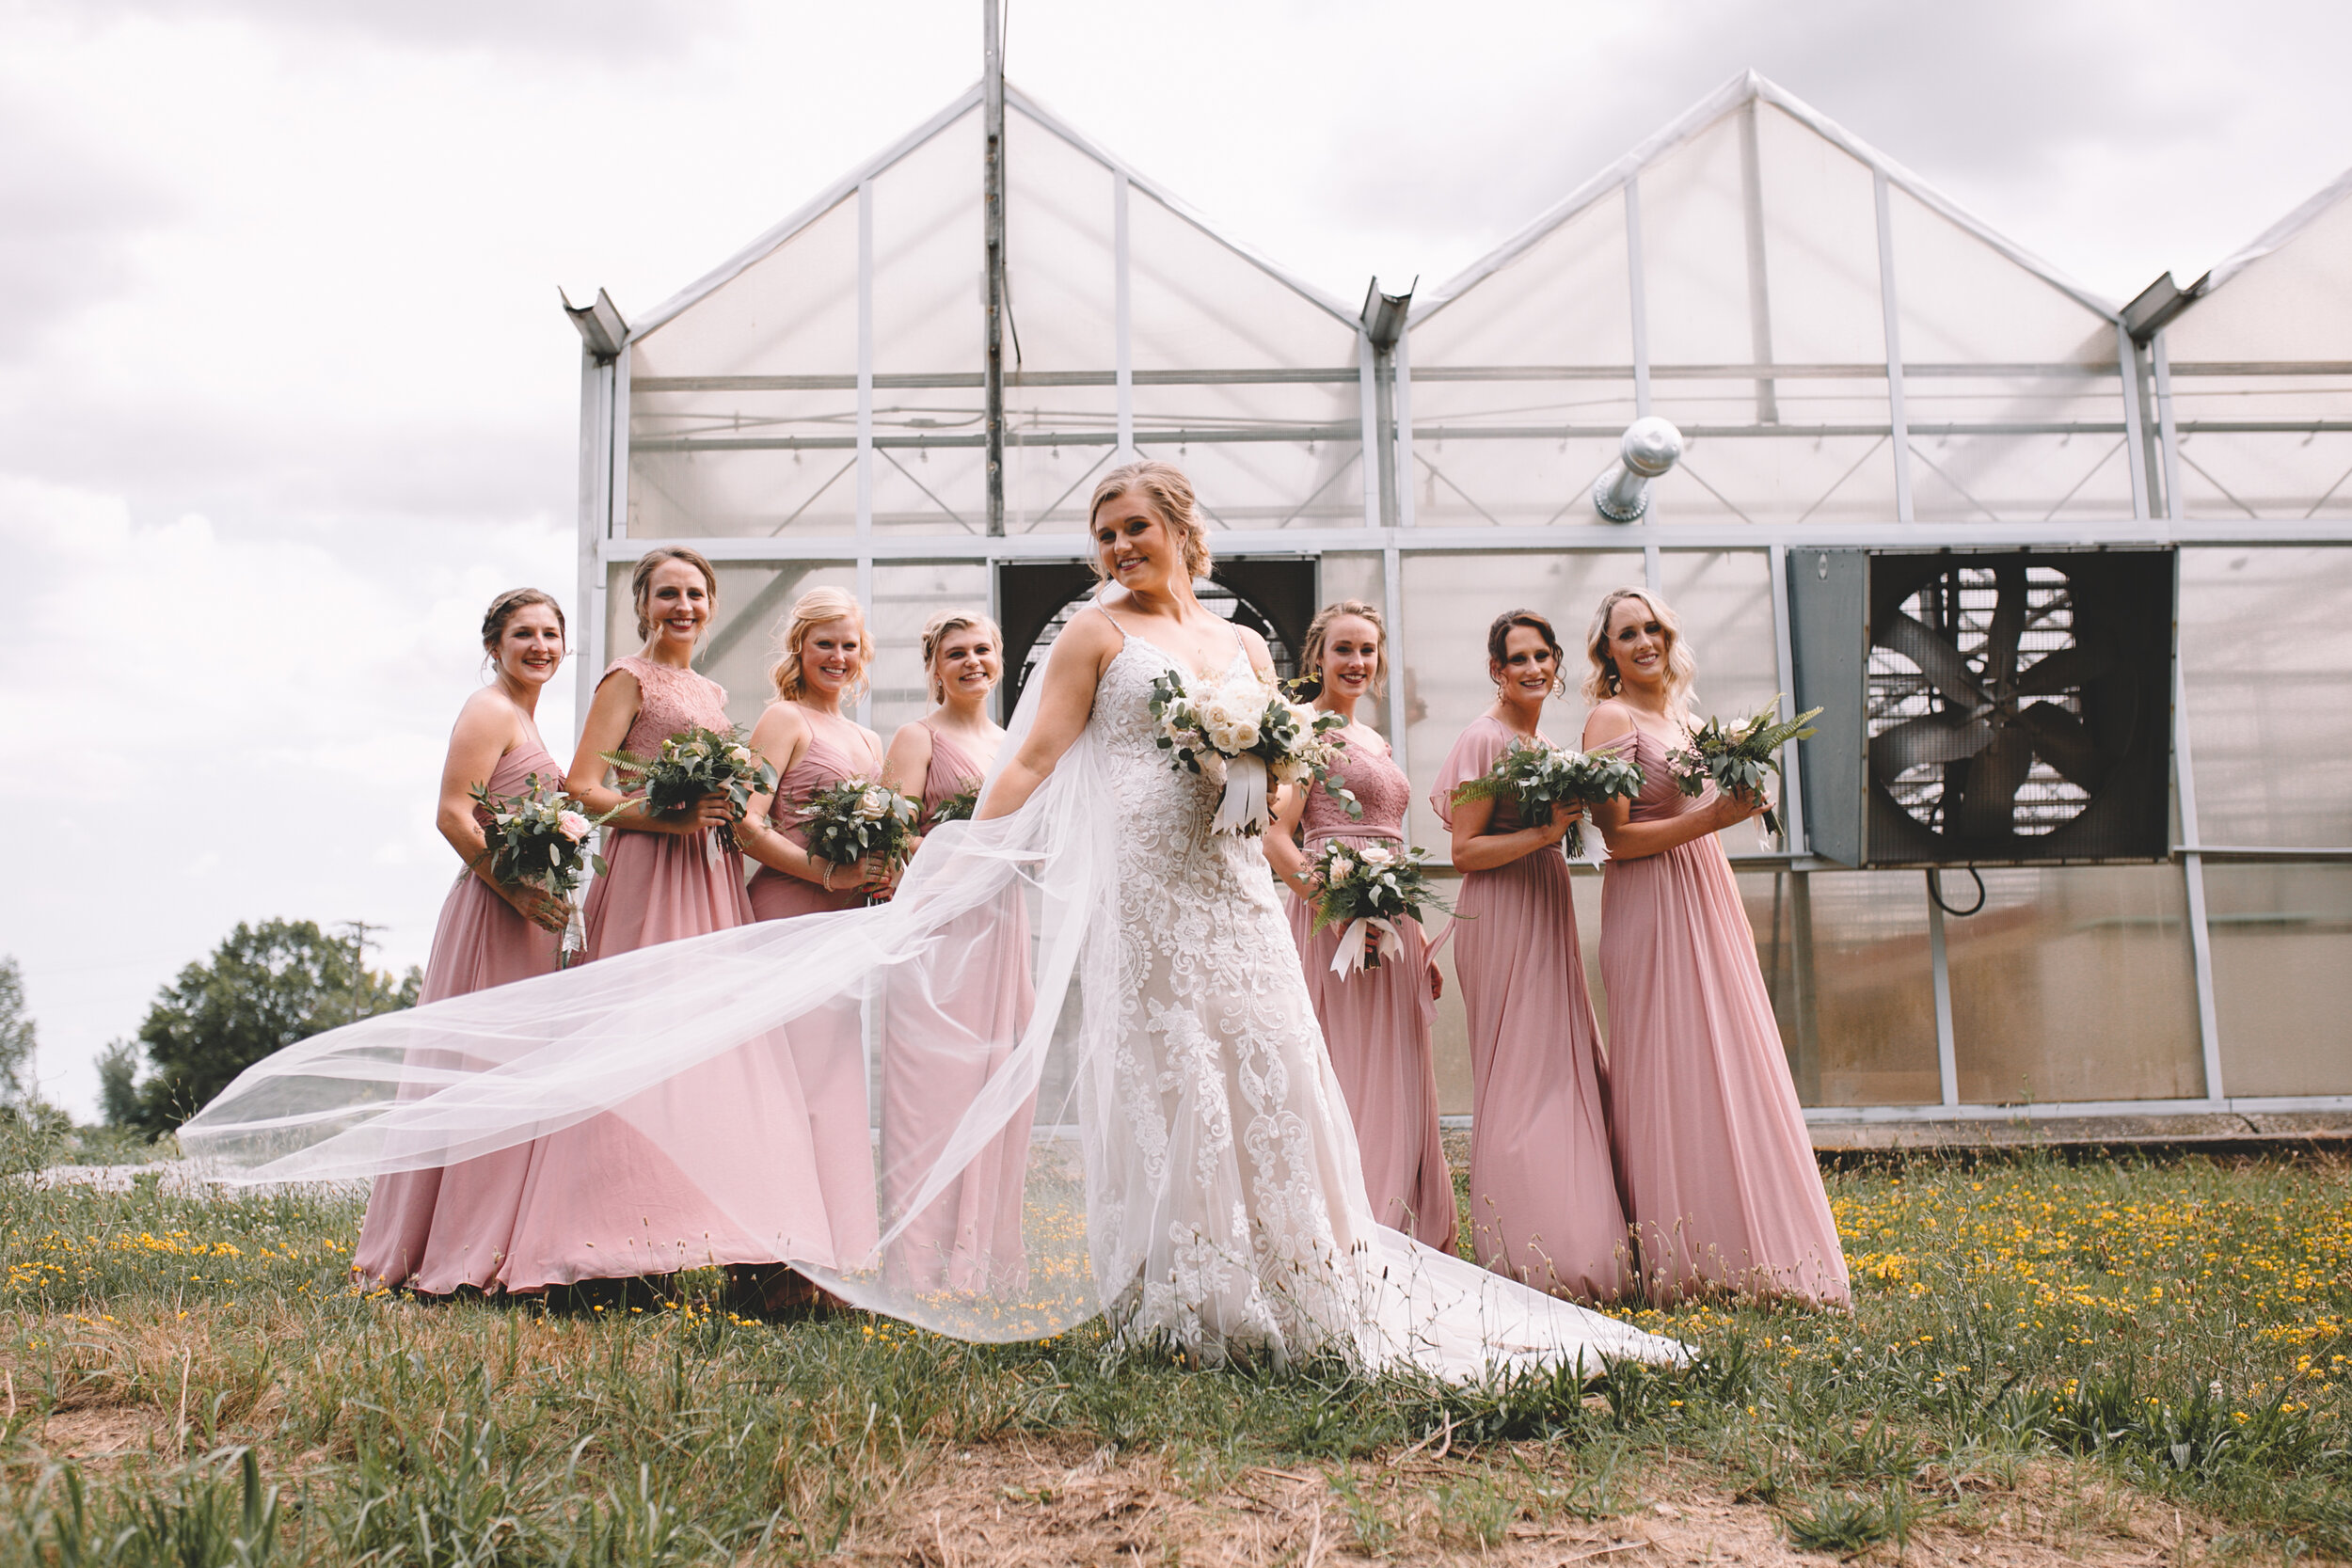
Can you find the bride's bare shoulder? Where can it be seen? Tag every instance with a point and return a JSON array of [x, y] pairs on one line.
[[1088, 641]]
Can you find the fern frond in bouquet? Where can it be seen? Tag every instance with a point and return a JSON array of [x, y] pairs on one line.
[[691, 765], [857, 819], [1735, 757], [1537, 777], [959, 807]]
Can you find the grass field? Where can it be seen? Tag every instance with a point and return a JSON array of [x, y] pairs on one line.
[[2048, 1362]]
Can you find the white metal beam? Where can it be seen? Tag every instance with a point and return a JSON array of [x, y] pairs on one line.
[[1890, 310], [1940, 971], [1122, 320], [866, 413]]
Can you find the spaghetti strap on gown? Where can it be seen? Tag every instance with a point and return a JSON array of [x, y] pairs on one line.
[[1710, 1141], [440, 1228], [940, 1046], [1543, 1201], [1375, 1022]]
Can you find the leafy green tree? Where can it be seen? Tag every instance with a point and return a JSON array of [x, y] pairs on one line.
[[18, 1041], [117, 1084], [267, 987]]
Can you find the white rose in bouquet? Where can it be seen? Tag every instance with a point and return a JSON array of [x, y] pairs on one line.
[[1377, 855], [572, 825], [874, 805], [739, 755]]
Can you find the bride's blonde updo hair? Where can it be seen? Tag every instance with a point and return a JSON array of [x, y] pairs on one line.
[[1602, 681], [811, 610], [1319, 632], [945, 624], [1168, 494]]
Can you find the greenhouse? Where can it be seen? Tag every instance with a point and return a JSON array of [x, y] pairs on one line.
[[909, 387]]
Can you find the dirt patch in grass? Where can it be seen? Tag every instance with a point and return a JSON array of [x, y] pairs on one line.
[[96, 1435], [1046, 1503]]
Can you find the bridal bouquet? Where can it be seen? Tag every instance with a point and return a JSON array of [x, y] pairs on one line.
[[1736, 759], [692, 763], [1538, 777], [539, 839], [857, 818], [1247, 727], [1366, 890], [958, 807]]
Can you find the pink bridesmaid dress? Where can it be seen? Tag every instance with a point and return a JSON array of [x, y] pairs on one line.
[[1544, 1206], [828, 1046], [437, 1231], [937, 1051], [1375, 1022], [1712, 1147], [702, 1169]]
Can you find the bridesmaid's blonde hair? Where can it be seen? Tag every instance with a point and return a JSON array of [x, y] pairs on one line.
[[1168, 494], [945, 625], [1319, 632], [814, 609], [1602, 683]]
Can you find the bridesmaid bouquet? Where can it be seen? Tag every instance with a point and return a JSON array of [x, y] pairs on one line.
[[856, 818], [1736, 759], [1245, 727], [539, 839], [692, 763], [1366, 890], [958, 807], [1539, 777]]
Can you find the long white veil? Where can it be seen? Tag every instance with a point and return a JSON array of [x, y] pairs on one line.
[[1005, 1202]]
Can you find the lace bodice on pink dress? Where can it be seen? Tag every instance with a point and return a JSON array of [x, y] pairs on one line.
[[1379, 786], [668, 701]]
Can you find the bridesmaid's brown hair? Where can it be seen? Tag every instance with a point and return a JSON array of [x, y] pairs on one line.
[[1499, 642], [503, 611], [1319, 632], [641, 580]]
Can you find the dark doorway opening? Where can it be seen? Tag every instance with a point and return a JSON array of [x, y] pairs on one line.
[[1273, 595]]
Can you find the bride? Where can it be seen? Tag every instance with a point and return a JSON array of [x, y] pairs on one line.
[[1193, 1175]]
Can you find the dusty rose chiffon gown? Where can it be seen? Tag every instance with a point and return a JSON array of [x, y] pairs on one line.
[[603, 1200], [828, 1046], [1710, 1143], [435, 1230], [934, 1062], [1375, 1024], [1544, 1206]]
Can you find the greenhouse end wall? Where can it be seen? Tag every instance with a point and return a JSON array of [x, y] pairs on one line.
[[1851, 361]]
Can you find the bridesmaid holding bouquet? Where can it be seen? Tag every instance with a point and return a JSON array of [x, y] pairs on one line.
[[1375, 1022], [933, 1057], [437, 1231], [1543, 1205], [635, 1192], [1712, 1147]]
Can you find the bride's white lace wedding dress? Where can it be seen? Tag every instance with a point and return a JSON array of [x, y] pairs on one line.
[[1192, 1172]]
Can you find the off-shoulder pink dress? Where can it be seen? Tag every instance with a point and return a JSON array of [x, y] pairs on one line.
[[827, 1045], [1711, 1148], [436, 1230], [1543, 1200], [705, 1167], [940, 1044], [1375, 1022]]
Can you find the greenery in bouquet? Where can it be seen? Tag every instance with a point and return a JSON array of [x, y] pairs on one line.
[[539, 839], [857, 819], [959, 807], [1365, 890], [1538, 777], [692, 763], [1735, 758], [1241, 717]]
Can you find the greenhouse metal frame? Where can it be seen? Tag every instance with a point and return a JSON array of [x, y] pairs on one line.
[[1853, 361]]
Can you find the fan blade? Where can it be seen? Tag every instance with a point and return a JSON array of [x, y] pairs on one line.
[[1936, 738], [1989, 797], [1936, 658], [2065, 743], [2008, 625], [2065, 669]]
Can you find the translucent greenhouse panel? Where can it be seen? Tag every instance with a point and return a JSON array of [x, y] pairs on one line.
[[760, 488], [1060, 228], [2295, 474], [1780, 474], [791, 312], [929, 458], [1821, 254], [1961, 473], [2074, 983], [1196, 303], [1048, 482], [1565, 301], [1694, 251], [2279, 983], [2293, 303], [904, 598], [1466, 476], [1844, 956], [1311, 478], [2266, 656], [1963, 301], [1448, 602]]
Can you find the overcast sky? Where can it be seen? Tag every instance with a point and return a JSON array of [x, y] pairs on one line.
[[285, 396]]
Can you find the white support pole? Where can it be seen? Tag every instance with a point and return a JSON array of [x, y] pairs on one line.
[[1784, 662], [2135, 435], [1947, 1054], [1124, 317], [1637, 290], [866, 414], [1405, 487], [596, 519], [2193, 874], [2169, 441], [1392, 705], [1890, 310], [1369, 394]]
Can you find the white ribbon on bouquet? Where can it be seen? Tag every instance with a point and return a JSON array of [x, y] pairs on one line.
[[1246, 808], [1350, 959]]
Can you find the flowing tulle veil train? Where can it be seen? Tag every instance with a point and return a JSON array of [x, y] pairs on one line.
[[1043, 1100]]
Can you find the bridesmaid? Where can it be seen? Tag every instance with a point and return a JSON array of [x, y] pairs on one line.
[[634, 1192], [937, 1051], [1711, 1148], [1544, 1206], [1375, 1024], [821, 662], [436, 1230]]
